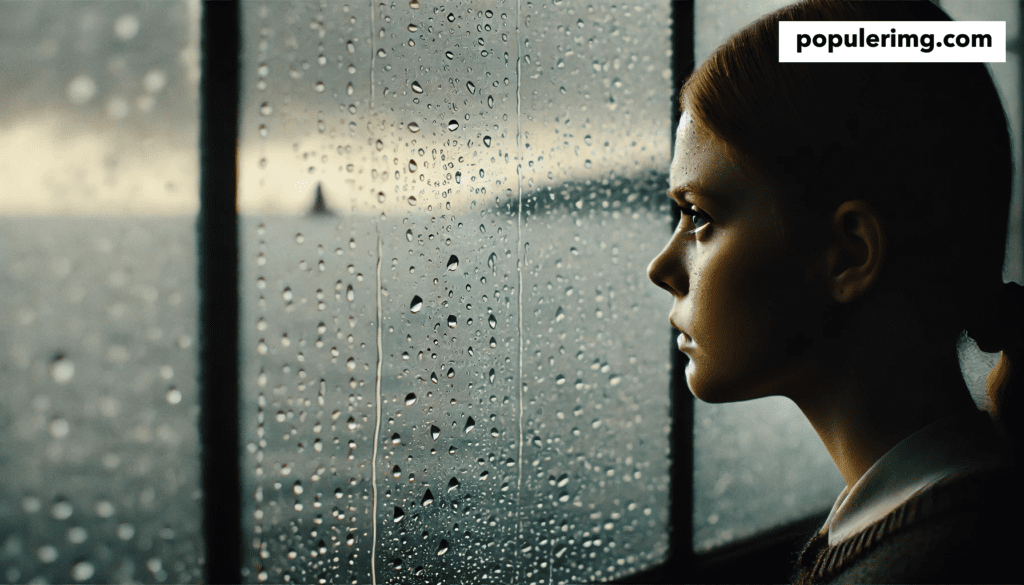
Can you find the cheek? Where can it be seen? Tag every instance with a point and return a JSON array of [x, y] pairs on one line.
[[743, 315], [736, 298]]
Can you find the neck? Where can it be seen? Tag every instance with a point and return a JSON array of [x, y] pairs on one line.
[[873, 404]]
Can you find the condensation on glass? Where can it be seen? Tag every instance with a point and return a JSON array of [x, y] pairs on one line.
[[98, 436], [446, 215], [760, 464]]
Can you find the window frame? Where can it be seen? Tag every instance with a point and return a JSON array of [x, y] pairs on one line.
[[765, 555], [217, 233]]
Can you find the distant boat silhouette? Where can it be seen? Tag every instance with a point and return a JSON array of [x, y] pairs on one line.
[[319, 207]]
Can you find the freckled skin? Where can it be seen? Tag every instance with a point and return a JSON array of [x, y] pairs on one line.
[[738, 290], [754, 308]]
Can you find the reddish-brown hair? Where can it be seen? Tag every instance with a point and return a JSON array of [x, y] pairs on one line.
[[926, 144]]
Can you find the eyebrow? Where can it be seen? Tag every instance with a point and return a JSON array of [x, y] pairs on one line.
[[691, 186]]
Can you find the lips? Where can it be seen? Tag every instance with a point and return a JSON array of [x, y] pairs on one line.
[[683, 339], [684, 342]]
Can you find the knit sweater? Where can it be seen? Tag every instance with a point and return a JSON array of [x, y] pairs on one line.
[[960, 524]]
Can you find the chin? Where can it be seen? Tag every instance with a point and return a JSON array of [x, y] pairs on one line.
[[702, 390], [721, 391]]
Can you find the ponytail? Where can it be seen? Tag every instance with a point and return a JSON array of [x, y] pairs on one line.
[[999, 326]]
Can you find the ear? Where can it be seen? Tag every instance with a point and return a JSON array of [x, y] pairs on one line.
[[857, 252]]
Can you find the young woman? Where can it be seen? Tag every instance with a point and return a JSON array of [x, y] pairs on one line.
[[842, 225]]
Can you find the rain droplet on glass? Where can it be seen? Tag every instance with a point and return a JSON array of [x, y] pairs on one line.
[[173, 396], [82, 571], [62, 510], [62, 369]]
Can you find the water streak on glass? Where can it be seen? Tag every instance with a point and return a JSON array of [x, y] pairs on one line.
[[414, 181]]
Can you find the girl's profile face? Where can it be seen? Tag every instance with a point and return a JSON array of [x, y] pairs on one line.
[[743, 301]]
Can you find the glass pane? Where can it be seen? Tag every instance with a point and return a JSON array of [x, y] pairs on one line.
[[443, 364], [596, 128], [98, 347], [757, 464], [714, 22]]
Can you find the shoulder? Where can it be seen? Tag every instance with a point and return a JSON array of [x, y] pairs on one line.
[[964, 529]]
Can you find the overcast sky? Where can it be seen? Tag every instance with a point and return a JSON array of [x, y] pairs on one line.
[[101, 110]]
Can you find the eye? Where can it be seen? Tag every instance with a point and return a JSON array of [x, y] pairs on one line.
[[697, 217]]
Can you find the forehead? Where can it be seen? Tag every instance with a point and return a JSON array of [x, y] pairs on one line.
[[698, 156], [700, 164]]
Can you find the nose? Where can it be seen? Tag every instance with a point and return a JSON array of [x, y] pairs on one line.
[[666, 270]]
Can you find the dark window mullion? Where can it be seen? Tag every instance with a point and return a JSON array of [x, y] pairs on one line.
[[218, 290]]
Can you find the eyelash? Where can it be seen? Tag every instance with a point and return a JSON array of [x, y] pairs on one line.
[[694, 212]]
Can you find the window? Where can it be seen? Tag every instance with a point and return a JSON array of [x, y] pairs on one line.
[[442, 281], [450, 363], [98, 413]]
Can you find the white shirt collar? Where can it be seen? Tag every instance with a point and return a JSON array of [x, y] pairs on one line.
[[933, 453]]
